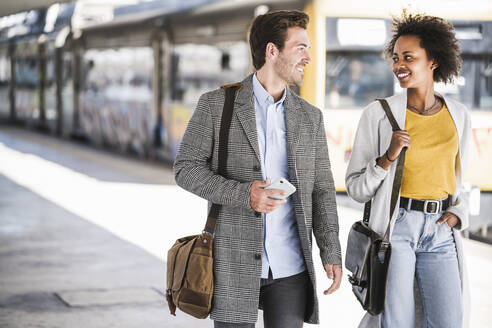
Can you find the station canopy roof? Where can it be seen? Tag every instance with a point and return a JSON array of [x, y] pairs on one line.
[[8, 7]]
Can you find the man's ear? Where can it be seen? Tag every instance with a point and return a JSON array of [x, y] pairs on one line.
[[271, 50]]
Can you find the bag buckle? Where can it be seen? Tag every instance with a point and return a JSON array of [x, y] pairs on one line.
[[383, 247], [353, 280], [434, 204]]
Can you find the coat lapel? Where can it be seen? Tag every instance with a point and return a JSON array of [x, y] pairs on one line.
[[245, 112], [293, 118], [293, 124]]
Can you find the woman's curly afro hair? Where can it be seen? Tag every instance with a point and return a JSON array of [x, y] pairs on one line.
[[436, 36]]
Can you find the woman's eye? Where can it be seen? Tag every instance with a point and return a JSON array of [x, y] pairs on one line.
[[408, 57], [395, 59]]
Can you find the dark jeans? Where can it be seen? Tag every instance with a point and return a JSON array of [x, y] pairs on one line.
[[284, 303]]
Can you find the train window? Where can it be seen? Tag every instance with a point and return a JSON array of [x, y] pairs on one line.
[[469, 32], [476, 89], [116, 100], [112, 69], [474, 86], [27, 72], [190, 75], [196, 69], [355, 79]]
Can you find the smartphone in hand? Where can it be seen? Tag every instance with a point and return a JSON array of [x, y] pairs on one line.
[[284, 185]]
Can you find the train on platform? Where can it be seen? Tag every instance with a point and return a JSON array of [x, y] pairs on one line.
[[131, 83]]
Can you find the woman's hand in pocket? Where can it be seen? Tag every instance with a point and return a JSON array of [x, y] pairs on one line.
[[449, 218]]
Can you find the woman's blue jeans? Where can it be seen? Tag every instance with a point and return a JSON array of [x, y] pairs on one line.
[[426, 251]]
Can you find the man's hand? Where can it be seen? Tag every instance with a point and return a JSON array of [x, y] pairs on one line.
[[449, 218], [258, 197], [334, 272]]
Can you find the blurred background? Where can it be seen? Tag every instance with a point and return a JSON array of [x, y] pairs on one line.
[[94, 100]]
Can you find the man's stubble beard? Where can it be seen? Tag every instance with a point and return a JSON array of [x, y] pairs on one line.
[[284, 70]]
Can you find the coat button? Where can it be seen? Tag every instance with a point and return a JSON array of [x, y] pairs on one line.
[[257, 256], [258, 214], [256, 168]]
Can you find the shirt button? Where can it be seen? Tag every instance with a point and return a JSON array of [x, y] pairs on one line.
[[257, 256], [258, 214], [256, 168]]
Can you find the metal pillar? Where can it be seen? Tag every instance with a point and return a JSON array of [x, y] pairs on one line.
[[42, 86], [59, 87], [157, 91], [12, 85]]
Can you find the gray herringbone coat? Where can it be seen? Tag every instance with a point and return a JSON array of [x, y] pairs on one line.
[[239, 234]]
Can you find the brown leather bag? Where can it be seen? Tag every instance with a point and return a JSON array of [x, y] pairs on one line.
[[190, 271]]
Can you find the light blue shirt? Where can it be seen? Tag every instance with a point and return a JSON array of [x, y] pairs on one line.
[[282, 251]]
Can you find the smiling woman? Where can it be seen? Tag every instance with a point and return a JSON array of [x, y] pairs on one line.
[[413, 68], [425, 236], [440, 46]]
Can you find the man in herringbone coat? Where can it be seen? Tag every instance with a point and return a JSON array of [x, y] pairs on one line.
[[263, 246]]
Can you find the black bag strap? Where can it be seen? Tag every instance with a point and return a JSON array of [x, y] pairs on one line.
[[398, 175], [225, 123]]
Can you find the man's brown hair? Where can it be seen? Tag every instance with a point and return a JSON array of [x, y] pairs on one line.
[[272, 27]]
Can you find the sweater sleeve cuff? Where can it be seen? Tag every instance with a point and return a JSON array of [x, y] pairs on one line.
[[375, 170], [460, 225]]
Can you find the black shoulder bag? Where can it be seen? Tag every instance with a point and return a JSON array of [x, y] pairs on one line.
[[368, 253]]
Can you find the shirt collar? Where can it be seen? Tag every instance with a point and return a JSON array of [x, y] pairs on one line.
[[262, 95]]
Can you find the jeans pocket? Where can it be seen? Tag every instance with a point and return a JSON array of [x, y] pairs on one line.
[[402, 213], [448, 226]]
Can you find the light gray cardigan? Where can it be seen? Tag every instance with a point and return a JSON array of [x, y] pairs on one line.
[[366, 180]]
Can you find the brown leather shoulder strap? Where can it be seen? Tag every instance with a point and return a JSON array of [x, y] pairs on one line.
[[225, 123], [236, 85], [389, 113]]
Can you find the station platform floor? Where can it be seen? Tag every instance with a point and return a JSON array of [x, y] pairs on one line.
[[84, 235]]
